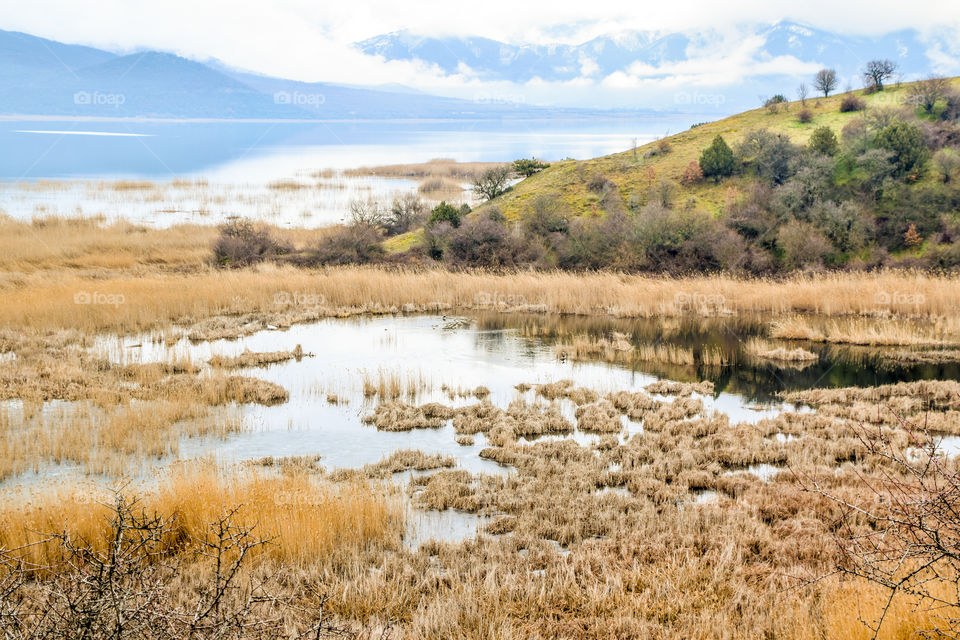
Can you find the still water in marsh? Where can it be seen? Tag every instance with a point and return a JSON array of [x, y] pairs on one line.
[[436, 357]]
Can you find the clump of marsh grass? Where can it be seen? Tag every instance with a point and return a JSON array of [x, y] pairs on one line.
[[766, 350], [615, 348], [256, 358], [391, 385]]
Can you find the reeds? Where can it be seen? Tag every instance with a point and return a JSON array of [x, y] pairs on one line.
[[388, 384], [766, 350], [310, 521], [155, 300]]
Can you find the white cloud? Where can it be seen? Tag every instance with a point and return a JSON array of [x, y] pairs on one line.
[[311, 40]]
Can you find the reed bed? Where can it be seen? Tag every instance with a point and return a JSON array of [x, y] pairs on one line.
[[117, 440], [156, 300], [310, 521], [935, 331]]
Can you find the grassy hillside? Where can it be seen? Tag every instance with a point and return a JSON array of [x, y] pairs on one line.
[[639, 171]]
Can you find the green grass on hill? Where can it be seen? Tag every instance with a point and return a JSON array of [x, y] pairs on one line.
[[635, 173]]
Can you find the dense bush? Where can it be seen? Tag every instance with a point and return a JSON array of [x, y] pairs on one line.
[[906, 143], [241, 244], [717, 161], [444, 212], [772, 155], [526, 167], [824, 141], [851, 102]]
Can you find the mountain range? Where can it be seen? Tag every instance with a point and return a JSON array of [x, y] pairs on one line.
[[756, 61], [634, 72], [45, 77]]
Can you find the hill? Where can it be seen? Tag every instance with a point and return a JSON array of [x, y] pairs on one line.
[[635, 172], [886, 193]]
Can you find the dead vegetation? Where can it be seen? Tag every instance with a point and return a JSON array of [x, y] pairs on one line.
[[256, 359]]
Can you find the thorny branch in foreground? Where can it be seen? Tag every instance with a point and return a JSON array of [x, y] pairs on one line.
[[901, 532], [147, 580]]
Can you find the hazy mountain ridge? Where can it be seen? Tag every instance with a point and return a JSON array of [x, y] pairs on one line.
[[44, 77]]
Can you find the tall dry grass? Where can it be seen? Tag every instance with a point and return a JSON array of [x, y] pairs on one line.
[[154, 300], [310, 521]]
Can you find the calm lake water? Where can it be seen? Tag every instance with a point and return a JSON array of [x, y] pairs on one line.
[[205, 172]]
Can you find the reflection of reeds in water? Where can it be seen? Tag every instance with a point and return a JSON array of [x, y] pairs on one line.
[[393, 384], [110, 440], [665, 353], [767, 350], [615, 348]]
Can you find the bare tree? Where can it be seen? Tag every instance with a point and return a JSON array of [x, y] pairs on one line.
[[902, 531], [802, 92], [366, 213], [407, 212], [926, 93], [877, 71], [825, 81], [493, 182]]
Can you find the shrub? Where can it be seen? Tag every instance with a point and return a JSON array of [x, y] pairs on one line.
[[772, 154], [598, 183], [717, 160], [824, 141], [804, 116], [240, 244], [664, 146], [367, 213], [484, 241], [907, 144], [353, 244], [851, 102], [526, 167], [947, 162], [773, 103], [692, 174], [444, 212], [407, 212], [547, 215], [802, 244]]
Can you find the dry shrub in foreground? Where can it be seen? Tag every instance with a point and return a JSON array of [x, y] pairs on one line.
[[902, 534], [310, 521], [127, 585]]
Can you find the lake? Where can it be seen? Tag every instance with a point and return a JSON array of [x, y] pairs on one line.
[[205, 172]]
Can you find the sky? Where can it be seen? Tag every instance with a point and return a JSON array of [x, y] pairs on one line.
[[311, 39]]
